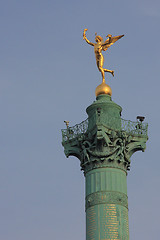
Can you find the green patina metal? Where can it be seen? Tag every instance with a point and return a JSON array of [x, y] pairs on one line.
[[104, 144]]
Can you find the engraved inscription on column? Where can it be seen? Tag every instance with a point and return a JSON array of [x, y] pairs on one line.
[[91, 224], [124, 222], [109, 222]]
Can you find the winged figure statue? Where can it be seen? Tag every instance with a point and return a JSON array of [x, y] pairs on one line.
[[100, 46]]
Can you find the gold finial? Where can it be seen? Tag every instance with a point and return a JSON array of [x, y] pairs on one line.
[[100, 46], [103, 88]]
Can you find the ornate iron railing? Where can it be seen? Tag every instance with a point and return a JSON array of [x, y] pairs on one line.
[[73, 132], [134, 128], [130, 127]]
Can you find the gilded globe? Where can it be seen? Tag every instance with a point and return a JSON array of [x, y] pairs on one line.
[[103, 88]]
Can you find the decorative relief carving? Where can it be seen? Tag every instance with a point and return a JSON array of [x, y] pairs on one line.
[[107, 198], [103, 147]]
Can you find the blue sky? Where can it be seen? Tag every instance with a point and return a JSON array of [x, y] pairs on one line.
[[48, 74]]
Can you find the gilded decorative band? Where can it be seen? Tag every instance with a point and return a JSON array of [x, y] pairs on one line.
[[106, 198]]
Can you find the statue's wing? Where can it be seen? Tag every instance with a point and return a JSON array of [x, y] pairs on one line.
[[110, 42]]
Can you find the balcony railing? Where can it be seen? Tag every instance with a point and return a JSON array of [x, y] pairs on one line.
[[134, 128], [75, 131], [130, 127]]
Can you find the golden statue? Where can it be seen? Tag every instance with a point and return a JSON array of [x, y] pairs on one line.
[[98, 47]]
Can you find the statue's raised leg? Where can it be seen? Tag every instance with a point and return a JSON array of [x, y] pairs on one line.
[[110, 71]]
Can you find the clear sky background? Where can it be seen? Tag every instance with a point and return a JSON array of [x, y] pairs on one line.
[[48, 74]]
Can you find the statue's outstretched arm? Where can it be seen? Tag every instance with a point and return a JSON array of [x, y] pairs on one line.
[[84, 37]]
